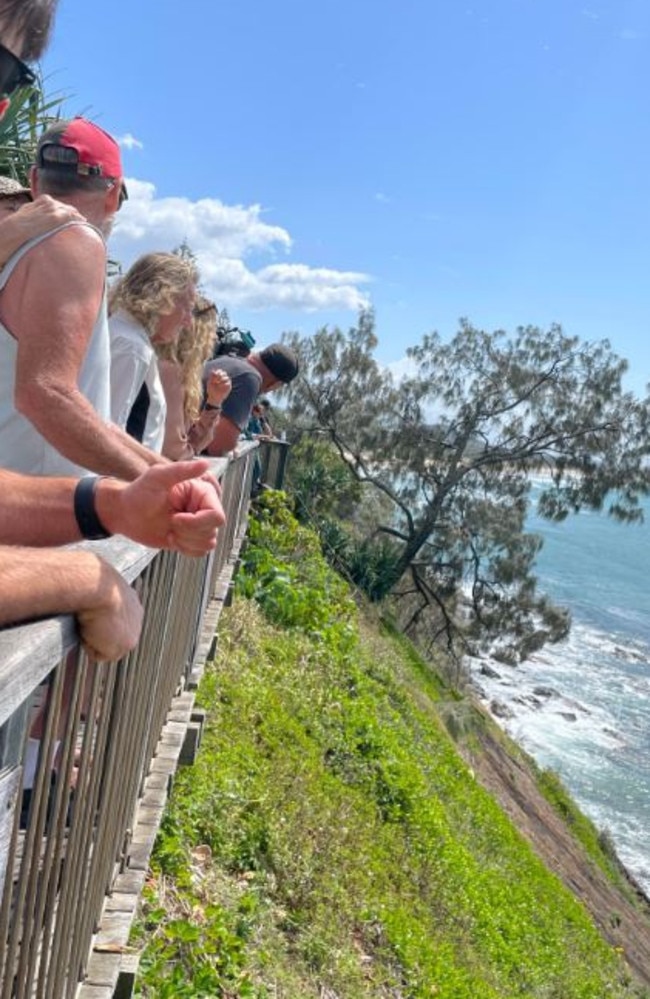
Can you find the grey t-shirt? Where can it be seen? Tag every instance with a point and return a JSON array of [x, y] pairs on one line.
[[246, 386]]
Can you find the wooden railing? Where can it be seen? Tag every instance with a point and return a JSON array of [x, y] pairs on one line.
[[74, 851]]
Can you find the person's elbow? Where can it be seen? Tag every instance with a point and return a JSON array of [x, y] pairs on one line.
[[225, 438]]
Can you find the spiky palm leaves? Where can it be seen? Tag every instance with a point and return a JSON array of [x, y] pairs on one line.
[[29, 114]]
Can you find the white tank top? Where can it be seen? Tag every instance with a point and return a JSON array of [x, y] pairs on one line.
[[22, 447]]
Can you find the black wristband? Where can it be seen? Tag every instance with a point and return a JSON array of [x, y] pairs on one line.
[[88, 522], [212, 409]]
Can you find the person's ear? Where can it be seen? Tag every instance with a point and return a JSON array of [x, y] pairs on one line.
[[113, 200]]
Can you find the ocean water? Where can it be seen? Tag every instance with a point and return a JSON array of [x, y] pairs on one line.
[[582, 707]]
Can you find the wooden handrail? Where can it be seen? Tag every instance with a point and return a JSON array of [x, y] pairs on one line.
[[110, 736]]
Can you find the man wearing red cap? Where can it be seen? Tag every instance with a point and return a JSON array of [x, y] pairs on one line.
[[171, 507], [54, 342]]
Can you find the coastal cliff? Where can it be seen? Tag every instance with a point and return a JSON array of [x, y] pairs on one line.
[[352, 827], [618, 906]]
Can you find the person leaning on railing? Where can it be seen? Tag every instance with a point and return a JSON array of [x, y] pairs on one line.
[[262, 371], [148, 307], [168, 506], [192, 419]]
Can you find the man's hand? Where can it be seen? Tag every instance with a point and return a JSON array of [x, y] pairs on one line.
[[40, 582], [34, 219], [176, 506], [217, 387], [110, 626]]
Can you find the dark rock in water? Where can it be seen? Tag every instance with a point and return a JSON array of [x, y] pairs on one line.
[[545, 692], [490, 672], [568, 716], [630, 655], [577, 705], [501, 710]]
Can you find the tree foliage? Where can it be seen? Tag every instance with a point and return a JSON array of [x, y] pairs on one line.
[[453, 446], [29, 113]]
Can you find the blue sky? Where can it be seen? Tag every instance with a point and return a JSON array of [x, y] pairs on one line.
[[487, 159]]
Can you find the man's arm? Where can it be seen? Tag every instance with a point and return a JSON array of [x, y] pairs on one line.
[[50, 305], [138, 450], [38, 583], [236, 410], [175, 506], [171, 506], [34, 219], [225, 437]]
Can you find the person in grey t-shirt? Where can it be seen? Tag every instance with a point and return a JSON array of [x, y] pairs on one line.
[[265, 371]]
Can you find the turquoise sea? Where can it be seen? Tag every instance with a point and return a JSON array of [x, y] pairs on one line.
[[582, 707]]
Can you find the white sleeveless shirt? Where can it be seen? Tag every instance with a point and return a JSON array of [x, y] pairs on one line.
[[22, 447]]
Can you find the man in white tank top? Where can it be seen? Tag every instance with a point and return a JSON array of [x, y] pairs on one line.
[[165, 507], [54, 345]]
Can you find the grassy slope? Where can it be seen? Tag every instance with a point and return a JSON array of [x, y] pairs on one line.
[[330, 841]]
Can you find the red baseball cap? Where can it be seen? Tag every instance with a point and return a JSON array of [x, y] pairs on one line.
[[80, 146]]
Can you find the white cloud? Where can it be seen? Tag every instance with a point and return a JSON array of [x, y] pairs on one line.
[[382, 198], [223, 237], [404, 367], [129, 141], [630, 35]]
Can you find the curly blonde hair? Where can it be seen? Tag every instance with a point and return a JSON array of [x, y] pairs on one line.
[[191, 350], [152, 286]]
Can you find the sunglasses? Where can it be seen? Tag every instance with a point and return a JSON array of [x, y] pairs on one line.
[[13, 73], [203, 310]]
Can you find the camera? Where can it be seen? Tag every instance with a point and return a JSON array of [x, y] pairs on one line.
[[233, 342]]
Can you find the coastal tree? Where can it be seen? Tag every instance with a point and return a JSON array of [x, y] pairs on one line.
[[452, 448]]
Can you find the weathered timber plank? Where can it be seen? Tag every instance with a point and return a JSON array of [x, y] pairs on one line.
[[130, 881], [9, 787], [113, 934], [103, 969], [127, 976], [95, 992], [121, 901], [27, 654], [139, 854], [148, 817], [155, 797], [173, 732], [169, 753], [163, 765], [156, 782]]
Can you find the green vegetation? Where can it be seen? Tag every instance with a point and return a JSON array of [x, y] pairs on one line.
[[330, 841], [30, 112]]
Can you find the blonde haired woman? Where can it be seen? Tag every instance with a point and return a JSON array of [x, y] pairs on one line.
[[191, 422], [148, 308]]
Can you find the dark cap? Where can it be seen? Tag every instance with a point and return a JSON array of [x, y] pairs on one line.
[[281, 362]]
